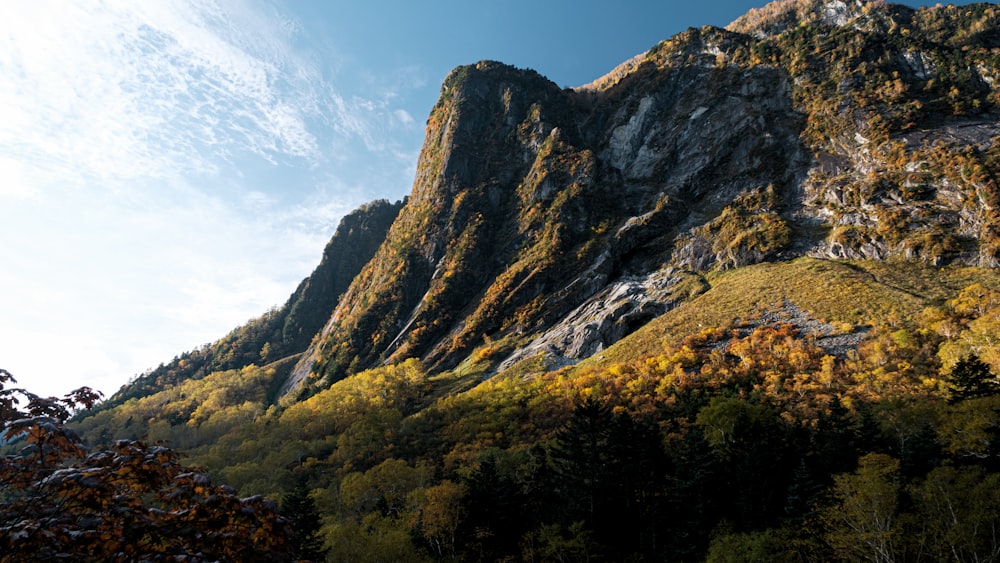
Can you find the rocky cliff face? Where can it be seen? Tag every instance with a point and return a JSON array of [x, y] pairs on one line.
[[539, 211], [564, 219], [618, 309], [529, 200], [549, 222]]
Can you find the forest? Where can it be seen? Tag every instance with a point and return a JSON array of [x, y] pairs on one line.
[[867, 433], [821, 385]]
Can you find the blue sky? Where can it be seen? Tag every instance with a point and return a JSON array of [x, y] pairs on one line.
[[170, 169]]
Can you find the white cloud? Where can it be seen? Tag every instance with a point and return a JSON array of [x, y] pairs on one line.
[[113, 92], [122, 90], [170, 169], [404, 117], [14, 183]]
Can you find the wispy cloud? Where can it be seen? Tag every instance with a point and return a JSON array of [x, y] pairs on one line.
[[169, 169], [120, 90]]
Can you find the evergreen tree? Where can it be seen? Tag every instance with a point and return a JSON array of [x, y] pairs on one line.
[[300, 509], [610, 473], [495, 512], [697, 499], [581, 458], [803, 492], [971, 378]]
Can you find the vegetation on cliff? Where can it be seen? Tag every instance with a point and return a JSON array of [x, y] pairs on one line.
[[742, 418], [814, 190]]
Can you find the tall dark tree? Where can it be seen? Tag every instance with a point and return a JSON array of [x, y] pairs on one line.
[[971, 378], [695, 505], [638, 469], [300, 510], [803, 492], [835, 443], [749, 440], [495, 507], [581, 457], [611, 471]]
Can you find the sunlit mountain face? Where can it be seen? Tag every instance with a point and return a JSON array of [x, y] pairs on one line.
[[738, 295]]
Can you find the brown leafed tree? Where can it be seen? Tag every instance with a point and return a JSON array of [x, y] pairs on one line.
[[131, 502]]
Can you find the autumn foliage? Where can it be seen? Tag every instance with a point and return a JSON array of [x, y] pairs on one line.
[[130, 502], [799, 410]]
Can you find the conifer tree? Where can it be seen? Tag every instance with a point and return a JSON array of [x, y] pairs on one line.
[[300, 509], [971, 378]]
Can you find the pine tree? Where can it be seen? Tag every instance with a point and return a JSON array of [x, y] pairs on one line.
[[300, 509], [971, 378], [581, 459]]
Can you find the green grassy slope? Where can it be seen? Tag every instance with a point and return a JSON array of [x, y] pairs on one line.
[[845, 294]]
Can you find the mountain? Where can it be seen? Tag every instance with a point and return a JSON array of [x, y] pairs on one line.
[[845, 130], [739, 295], [288, 330], [864, 131]]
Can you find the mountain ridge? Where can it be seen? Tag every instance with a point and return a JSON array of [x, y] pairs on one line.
[[698, 309], [286, 331], [746, 185], [716, 148]]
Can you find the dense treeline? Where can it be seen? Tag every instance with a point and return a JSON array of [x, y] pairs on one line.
[[765, 436], [797, 411]]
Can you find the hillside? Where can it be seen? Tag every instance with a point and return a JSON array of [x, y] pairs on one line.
[[805, 392], [712, 303], [867, 135]]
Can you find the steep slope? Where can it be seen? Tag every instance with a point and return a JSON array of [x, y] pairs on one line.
[[777, 356], [528, 201], [864, 130], [686, 311], [466, 222], [288, 330]]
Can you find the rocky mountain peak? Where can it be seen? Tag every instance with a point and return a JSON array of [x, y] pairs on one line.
[[781, 15], [536, 208], [554, 222]]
